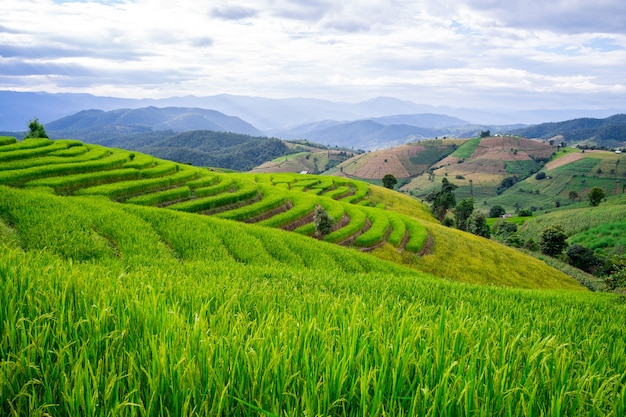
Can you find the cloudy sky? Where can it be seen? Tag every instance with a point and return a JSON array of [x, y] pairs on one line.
[[514, 54]]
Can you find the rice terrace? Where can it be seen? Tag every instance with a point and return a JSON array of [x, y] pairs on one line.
[[137, 286]]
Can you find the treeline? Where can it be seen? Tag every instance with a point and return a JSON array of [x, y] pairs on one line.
[[609, 132], [199, 147]]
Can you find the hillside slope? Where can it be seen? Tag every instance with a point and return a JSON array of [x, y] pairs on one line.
[[168, 118], [365, 217], [609, 132], [126, 310]]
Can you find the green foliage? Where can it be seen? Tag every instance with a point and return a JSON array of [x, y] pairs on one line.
[[540, 176], [525, 213], [389, 181], [496, 211], [7, 140], [323, 222], [35, 130], [596, 195], [462, 213], [583, 258], [553, 241], [467, 149], [477, 224], [442, 200]]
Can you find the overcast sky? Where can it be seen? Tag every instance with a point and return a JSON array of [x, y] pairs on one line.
[[515, 54]]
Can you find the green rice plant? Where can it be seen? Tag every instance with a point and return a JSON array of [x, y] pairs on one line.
[[417, 235], [136, 186], [160, 169], [362, 190], [140, 161], [7, 140], [31, 152], [112, 309], [25, 144], [69, 183], [357, 222], [380, 224], [245, 192], [398, 229], [225, 184], [21, 176], [93, 153], [207, 178], [160, 197], [71, 152], [303, 205], [271, 199], [337, 193]]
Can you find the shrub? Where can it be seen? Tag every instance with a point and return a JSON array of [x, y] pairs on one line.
[[583, 258], [540, 176], [496, 211], [525, 213], [595, 196], [553, 240], [477, 224], [323, 222]]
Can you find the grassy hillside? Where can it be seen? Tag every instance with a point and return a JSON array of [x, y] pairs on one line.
[[148, 308], [365, 217], [401, 161], [600, 228], [306, 156], [479, 165], [570, 170], [119, 309]]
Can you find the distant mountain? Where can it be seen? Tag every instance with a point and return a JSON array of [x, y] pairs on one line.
[[266, 114], [361, 134], [609, 132], [429, 120], [169, 118]]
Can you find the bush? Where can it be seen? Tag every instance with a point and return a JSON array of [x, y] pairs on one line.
[[583, 258], [553, 240], [525, 213], [540, 176], [323, 222], [496, 211], [477, 224]]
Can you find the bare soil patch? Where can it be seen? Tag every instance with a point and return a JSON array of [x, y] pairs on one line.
[[564, 160]]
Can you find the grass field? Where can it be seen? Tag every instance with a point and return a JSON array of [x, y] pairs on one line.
[[111, 309]]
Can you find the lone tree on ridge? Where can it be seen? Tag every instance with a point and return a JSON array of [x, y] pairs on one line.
[[389, 181], [36, 130]]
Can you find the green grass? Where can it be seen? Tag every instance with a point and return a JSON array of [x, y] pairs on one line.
[[276, 200], [466, 149], [110, 309]]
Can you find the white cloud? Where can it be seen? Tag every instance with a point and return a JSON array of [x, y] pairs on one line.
[[451, 52]]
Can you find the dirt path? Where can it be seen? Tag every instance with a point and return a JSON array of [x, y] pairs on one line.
[[564, 160]]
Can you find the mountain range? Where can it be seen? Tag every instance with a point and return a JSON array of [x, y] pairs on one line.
[[267, 114]]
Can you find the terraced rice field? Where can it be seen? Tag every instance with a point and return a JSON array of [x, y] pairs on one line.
[[283, 200]]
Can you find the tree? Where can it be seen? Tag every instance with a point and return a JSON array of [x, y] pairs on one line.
[[462, 212], [442, 200], [573, 195], [485, 133], [583, 258], [496, 211], [35, 130], [553, 240], [595, 196], [389, 181], [323, 222], [477, 224]]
